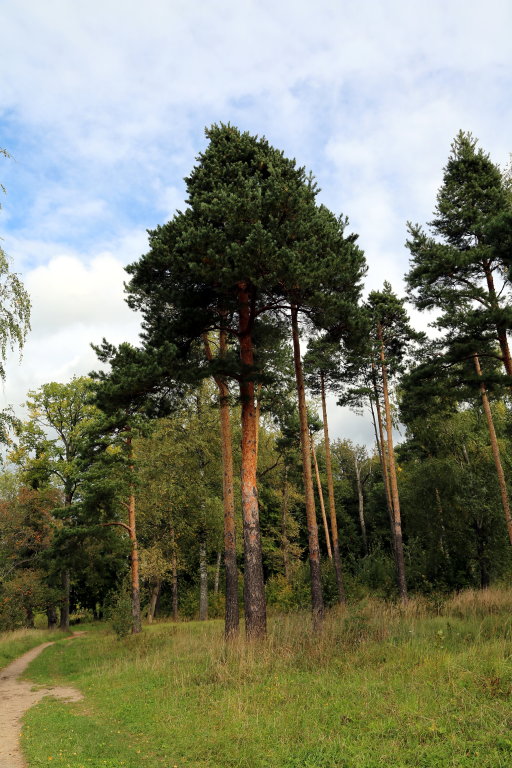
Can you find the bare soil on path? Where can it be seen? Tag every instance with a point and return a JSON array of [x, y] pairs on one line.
[[16, 697]]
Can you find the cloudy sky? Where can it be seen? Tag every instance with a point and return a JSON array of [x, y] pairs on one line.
[[103, 107]]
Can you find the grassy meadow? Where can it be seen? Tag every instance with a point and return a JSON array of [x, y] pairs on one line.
[[425, 686]]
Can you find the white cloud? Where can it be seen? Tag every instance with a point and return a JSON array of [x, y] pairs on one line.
[[66, 292], [73, 304]]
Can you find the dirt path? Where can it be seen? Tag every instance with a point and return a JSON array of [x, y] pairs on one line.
[[16, 696]]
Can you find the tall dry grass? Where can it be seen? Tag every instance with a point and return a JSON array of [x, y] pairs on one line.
[[290, 641], [355, 631], [479, 602]]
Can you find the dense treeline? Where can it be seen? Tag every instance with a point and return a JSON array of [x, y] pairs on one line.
[[195, 475]]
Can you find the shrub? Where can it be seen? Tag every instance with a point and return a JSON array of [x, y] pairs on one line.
[[119, 612]]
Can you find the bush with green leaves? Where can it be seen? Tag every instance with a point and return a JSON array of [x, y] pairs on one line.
[[119, 612]]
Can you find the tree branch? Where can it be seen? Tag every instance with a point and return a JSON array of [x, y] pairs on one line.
[[122, 525]]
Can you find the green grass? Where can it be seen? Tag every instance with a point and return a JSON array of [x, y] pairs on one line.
[[14, 644], [384, 686]]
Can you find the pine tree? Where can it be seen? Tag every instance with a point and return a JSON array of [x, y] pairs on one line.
[[252, 243], [451, 372], [460, 268], [210, 269]]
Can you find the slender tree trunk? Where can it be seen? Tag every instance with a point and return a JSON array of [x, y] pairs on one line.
[[332, 505], [216, 581], [254, 586], [381, 446], [232, 619], [136, 617], [231, 625], [317, 602], [321, 499], [30, 617], [64, 606], [134, 557], [51, 614], [174, 575], [203, 581], [360, 499], [397, 520], [379, 439], [155, 591], [495, 449], [284, 527]]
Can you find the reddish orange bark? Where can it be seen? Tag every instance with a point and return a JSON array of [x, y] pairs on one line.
[[495, 449], [500, 329], [321, 499], [317, 602], [381, 445], [254, 587], [397, 520], [231, 624], [332, 505]]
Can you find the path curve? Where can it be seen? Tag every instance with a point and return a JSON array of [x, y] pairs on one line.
[[16, 696]]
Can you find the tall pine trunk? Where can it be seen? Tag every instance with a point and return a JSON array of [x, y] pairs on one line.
[[254, 586], [317, 603], [231, 623], [381, 447], [332, 505], [321, 500], [495, 449], [397, 520]]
